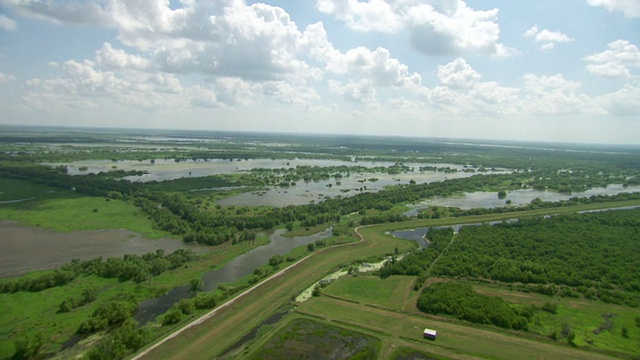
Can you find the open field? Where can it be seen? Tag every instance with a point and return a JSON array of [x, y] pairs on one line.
[[454, 338], [65, 210], [583, 316], [391, 292]]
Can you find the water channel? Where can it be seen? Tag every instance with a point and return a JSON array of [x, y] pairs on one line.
[[234, 270]]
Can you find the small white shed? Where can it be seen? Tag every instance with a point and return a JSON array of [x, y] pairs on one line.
[[430, 334]]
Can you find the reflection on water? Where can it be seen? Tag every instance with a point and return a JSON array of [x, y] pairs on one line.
[[300, 194], [234, 270], [490, 200]]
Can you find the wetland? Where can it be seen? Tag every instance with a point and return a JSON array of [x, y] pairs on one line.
[[228, 205]]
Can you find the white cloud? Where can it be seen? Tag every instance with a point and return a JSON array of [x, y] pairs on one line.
[[6, 78], [435, 28], [458, 74], [290, 93], [112, 58], [372, 15], [67, 13], [377, 65], [203, 97], [7, 23], [358, 91], [547, 37], [555, 95], [624, 102], [630, 8], [222, 38], [616, 61], [462, 93]]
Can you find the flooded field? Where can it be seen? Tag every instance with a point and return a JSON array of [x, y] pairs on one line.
[[518, 197], [300, 194], [170, 169], [26, 248]]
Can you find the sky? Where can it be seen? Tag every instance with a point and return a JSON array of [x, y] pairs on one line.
[[543, 70]]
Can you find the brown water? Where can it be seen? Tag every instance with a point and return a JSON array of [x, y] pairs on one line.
[[26, 248]]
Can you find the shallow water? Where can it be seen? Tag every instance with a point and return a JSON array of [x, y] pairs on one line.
[[26, 248], [490, 200]]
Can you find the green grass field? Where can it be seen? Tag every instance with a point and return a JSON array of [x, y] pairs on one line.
[[368, 289], [583, 316], [454, 338], [64, 210]]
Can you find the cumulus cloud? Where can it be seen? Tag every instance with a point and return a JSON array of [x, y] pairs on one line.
[[112, 58], [457, 74], [555, 95], [358, 91], [546, 37], [630, 8], [624, 102], [616, 61], [377, 65], [435, 27], [7, 23], [225, 38], [462, 93]]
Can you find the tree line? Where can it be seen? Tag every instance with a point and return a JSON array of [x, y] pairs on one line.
[[137, 268]]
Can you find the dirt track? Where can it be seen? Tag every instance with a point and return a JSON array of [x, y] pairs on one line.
[[212, 333]]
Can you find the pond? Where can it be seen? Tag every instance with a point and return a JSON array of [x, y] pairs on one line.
[[234, 270]]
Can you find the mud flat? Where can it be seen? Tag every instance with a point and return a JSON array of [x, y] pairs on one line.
[[26, 248]]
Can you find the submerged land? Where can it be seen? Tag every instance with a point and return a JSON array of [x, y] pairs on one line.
[[174, 244]]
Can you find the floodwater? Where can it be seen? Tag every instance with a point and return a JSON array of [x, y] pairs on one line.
[[518, 197], [300, 194], [234, 270], [26, 248], [169, 169], [308, 192]]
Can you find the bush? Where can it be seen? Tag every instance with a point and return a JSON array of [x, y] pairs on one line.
[[173, 316], [28, 348]]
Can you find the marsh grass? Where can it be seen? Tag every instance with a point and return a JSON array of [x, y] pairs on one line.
[[65, 210]]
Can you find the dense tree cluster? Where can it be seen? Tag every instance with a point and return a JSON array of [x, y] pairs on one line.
[[459, 300], [415, 263], [599, 250], [592, 255]]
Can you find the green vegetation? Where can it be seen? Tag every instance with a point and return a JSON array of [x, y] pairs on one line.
[[303, 339], [549, 281], [460, 301]]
